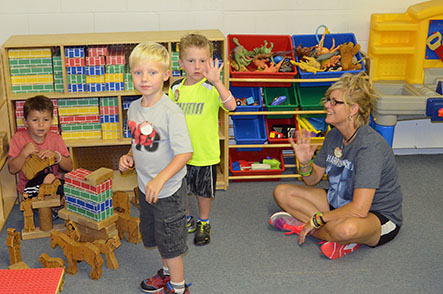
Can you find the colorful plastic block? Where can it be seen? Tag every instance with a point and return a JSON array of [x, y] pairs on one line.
[[114, 78], [95, 70], [95, 60], [79, 119], [74, 62], [91, 101], [91, 79], [81, 135], [116, 55], [96, 87], [32, 80], [98, 50], [109, 110], [116, 68], [109, 118], [77, 88], [83, 110]]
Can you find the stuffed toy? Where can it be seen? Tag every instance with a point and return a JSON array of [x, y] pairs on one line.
[[347, 52]]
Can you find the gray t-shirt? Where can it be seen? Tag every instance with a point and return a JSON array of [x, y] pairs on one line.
[[159, 133], [368, 163]]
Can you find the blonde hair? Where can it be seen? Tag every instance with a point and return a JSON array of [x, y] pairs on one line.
[[195, 40], [152, 51], [357, 89]]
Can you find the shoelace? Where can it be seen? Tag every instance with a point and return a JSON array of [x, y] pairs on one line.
[[292, 229]]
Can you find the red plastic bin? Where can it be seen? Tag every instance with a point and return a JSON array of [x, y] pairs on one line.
[[270, 122], [281, 43], [255, 156]]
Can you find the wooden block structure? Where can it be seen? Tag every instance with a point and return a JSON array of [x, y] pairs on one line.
[[35, 280], [19, 115], [31, 70], [34, 164], [91, 201], [80, 118]]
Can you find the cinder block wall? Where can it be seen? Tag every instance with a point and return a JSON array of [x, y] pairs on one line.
[[229, 16]]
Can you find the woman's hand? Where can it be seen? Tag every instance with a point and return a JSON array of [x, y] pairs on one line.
[[303, 149], [307, 228]]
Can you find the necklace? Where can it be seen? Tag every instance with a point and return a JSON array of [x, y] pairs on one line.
[[350, 138], [338, 151]]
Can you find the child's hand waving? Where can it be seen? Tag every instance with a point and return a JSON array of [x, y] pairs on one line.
[[213, 71]]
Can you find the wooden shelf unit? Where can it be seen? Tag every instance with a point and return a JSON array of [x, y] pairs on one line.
[[8, 193], [131, 39]]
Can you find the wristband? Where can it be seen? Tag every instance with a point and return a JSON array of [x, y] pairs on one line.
[[306, 174], [227, 99], [306, 165], [59, 157]]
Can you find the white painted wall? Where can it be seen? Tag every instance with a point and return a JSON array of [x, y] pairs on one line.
[[229, 16]]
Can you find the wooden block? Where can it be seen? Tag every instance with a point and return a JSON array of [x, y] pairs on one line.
[[47, 202], [81, 220], [90, 235], [3, 142], [34, 164], [99, 176], [19, 265], [37, 233]]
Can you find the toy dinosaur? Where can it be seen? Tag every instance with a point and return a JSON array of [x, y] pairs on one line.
[[347, 52], [240, 57], [330, 62], [311, 65]]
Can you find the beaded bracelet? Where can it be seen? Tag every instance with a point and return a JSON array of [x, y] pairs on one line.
[[308, 164]]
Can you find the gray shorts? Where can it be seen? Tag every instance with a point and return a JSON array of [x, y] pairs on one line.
[[163, 224], [201, 180]]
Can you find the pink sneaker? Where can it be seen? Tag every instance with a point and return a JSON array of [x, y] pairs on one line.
[[285, 222], [334, 250]]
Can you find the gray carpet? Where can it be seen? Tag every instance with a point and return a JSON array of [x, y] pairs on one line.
[[248, 256]]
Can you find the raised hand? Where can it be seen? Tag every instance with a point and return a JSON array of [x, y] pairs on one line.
[[212, 74], [303, 149]]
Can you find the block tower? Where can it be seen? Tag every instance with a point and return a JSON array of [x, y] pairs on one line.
[[89, 193]]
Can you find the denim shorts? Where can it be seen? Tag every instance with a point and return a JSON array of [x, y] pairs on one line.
[[163, 224]]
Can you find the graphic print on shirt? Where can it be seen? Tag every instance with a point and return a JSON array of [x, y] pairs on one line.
[[145, 136], [340, 174]]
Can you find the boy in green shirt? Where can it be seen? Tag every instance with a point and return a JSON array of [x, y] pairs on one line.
[[200, 95]]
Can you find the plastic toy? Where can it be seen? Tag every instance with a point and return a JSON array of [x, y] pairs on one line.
[[35, 280], [273, 163], [240, 57], [75, 251], [347, 52], [275, 135], [260, 166], [311, 65], [13, 242], [279, 100]]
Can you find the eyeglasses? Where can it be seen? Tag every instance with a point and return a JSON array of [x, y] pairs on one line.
[[333, 101]]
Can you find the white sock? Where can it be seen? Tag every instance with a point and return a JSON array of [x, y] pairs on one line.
[[179, 288], [166, 271]]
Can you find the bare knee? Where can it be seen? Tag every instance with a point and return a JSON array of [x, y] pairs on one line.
[[346, 231], [280, 192]]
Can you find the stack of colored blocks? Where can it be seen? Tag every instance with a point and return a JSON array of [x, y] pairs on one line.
[[95, 68], [91, 201], [31, 70], [176, 71], [79, 118], [58, 72], [19, 115], [125, 105], [116, 56], [109, 118], [129, 84], [75, 67]]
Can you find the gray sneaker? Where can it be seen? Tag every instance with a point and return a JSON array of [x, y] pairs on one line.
[[203, 234]]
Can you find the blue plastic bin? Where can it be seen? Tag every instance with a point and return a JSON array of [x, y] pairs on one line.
[[310, 40], [246, 92], [250, 131]]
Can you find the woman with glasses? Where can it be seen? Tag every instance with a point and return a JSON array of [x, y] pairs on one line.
[[363, 202]]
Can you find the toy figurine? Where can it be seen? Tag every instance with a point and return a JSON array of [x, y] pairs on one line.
[[13, 243], [28, 213]]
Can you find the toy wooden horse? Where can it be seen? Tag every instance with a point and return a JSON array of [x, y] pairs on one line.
[[75, 251]]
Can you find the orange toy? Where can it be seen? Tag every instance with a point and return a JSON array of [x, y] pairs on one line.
[[107, 248], [347, 52], [129, 225]]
